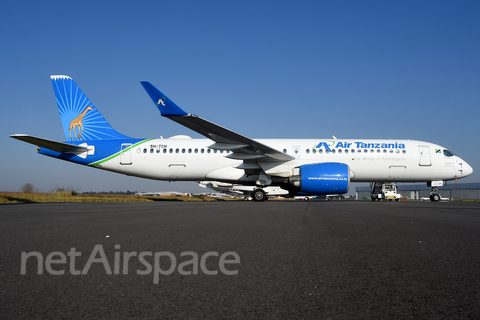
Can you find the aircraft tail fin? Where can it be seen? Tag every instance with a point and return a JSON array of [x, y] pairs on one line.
[[80, 119]]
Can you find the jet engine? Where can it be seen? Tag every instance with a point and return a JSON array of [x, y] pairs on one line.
[[321, 178]]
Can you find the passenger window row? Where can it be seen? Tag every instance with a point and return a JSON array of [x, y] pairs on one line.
[[320, 151], [181, 150], [307, 151]]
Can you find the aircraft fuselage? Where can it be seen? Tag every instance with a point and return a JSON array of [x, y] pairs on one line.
[[192, 159]]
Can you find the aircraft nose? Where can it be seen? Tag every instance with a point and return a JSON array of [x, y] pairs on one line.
[[467, 169]]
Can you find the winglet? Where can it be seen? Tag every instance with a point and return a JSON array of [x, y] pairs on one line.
[[166, 106]]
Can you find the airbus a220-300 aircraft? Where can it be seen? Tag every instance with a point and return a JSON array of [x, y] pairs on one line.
[[300, 166]]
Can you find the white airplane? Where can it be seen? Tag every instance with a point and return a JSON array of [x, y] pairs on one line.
[[301, 166]]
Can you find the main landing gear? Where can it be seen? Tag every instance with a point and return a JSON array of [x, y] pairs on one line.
[[259, 195]]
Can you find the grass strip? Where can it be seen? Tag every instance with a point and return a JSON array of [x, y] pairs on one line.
[[68, 196]]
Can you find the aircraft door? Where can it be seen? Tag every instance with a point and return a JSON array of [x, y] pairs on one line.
[[425, 159], [126, 154]]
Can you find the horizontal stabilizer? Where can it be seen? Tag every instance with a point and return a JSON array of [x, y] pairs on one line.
[[50, 144]]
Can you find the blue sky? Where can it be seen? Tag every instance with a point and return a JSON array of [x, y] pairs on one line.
[[266, 69]]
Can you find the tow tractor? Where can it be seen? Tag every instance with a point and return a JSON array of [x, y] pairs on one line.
[[384, 191]]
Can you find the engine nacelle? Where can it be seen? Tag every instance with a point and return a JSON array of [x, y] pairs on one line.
[[321, 178]]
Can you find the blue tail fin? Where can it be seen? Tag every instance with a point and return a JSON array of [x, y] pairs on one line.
[[80, 119]]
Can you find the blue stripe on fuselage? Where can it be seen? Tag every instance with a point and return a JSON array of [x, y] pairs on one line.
[[103, 150]]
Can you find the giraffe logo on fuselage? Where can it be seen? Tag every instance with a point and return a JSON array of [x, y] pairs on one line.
[[77, 122]]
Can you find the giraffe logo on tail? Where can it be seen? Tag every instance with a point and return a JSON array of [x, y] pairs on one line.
[[77, 122]]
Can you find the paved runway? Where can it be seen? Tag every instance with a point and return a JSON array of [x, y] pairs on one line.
[[309, 260]]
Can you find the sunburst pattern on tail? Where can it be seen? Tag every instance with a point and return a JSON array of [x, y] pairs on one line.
[[80, 119]]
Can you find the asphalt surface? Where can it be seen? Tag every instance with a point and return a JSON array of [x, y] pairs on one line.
[[307, 260]]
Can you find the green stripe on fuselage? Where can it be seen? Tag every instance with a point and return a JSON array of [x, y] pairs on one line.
[[118, 153]]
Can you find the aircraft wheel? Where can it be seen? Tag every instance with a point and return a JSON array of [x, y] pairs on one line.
[[259, 195], [435, 197]]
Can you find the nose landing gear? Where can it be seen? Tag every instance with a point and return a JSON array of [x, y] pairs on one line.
[[434, 196]]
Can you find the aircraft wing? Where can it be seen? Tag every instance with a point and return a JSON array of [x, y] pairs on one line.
[[243, 148], [50, 144]]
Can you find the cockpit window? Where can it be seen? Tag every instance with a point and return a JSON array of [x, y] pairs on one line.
[[448, 153]]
